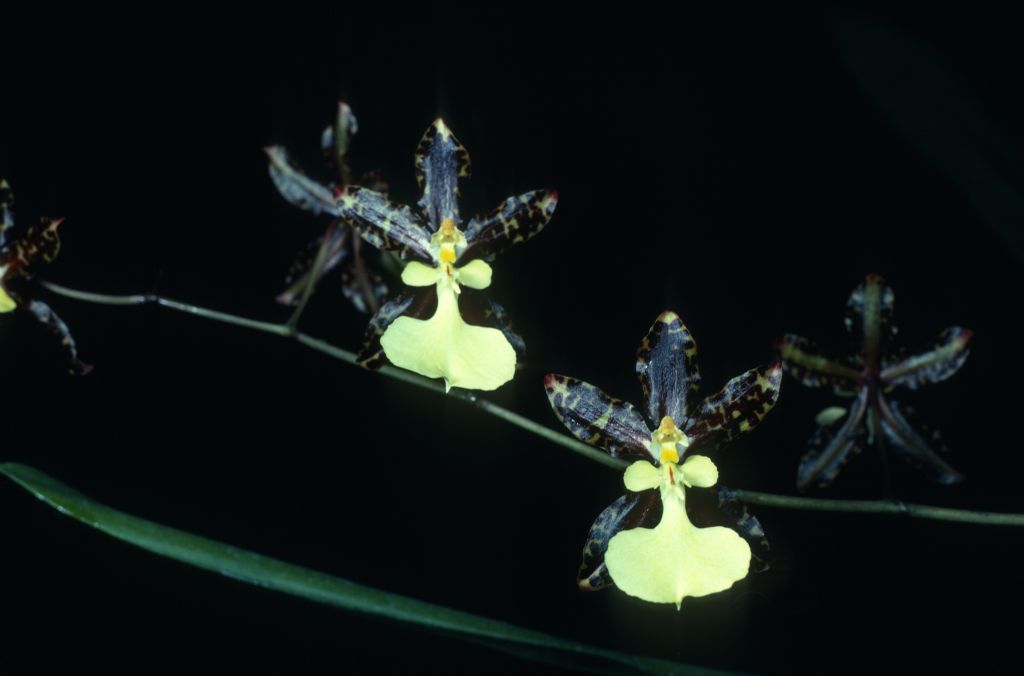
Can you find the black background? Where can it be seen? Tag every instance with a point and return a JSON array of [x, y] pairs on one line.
[[728, 166]]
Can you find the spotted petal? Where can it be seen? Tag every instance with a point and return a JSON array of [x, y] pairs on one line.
[[592, 416], [333, 247], [739, 407], [941, 361], [41, 241], [295, 187], [48, 318], [667, 366], [515, 220], [832, 445], [441, 160], [913, 447], [632, 510], [804, 362], [869, 317], [387, 226]]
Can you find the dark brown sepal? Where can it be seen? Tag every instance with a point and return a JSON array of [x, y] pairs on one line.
[[832, 445], [737, 408], [932, 365], [869, 317], [515, 220], [48, 318], [387, 226], [803, 361], [496, 316], [632, 510], [41, 241], [666, 364], [913, 447], [441, 160], [337, 241], [597, 419], [295, 187]]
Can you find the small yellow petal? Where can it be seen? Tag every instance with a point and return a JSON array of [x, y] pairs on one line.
[[676, 559], [444, 346], [6, 302], [420, 274], [699, 471], [475, 274], [642, 475]]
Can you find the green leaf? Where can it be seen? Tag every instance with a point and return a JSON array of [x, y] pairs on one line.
[[263, 571]]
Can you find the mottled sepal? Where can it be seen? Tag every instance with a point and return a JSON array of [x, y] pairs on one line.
[[804, 362], [933, 365], [496, 316], [416, 304], [915, 448], [595, 418], [832, 445], [336, 247], [48, 318], [515, 220], [295, 187], [721, 507], [385, 225], [666, 364], [633, 510], [41, 241], [6, 210], [363, 287], [441, 160], [869, 317], [737, 408]]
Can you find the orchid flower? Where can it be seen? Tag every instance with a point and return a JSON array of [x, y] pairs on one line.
[[646, 542], [869, 375], [16, 260], [425, 330], [363, 287]]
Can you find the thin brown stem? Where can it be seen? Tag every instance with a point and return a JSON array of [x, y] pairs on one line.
[[564, 440]]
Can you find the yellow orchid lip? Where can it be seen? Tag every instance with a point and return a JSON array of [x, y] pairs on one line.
[[445, 346], [675, 559]]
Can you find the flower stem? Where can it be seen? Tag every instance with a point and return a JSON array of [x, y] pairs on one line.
[[876, 507], [589, 452]]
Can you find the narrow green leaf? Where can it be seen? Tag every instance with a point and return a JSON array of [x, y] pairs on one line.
[[263, 571]]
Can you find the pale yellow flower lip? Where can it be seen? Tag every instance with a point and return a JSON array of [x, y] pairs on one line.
[[445, 346], [675, 559]]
